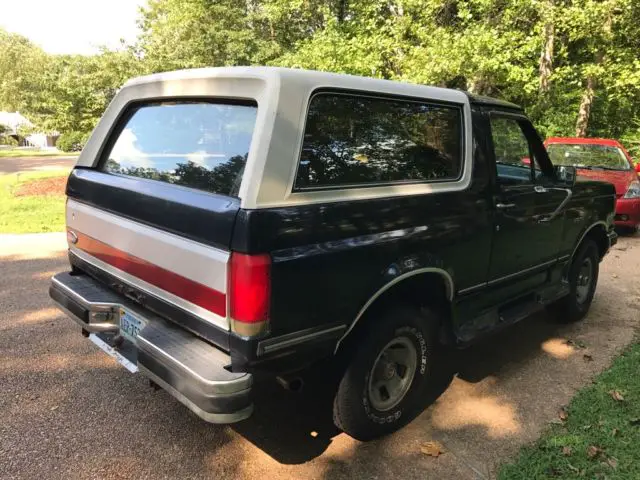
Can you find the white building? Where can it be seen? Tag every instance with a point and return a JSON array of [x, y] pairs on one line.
[[15, 121]]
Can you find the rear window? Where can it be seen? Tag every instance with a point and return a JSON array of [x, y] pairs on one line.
[[588, 156], [198, 145], [352, 140]]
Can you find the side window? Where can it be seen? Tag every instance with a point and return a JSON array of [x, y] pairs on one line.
[[512, 152], [352, 140]]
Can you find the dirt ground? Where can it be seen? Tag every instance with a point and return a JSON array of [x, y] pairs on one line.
[[44, 186], [70, 412]]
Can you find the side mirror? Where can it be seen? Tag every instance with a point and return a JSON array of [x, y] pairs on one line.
[[566, 174]]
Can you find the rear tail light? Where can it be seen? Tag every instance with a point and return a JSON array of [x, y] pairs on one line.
[[249, 291]]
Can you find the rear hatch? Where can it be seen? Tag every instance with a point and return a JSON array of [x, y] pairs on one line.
[[154, 217]]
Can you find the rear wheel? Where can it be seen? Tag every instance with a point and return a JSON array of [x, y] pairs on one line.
[[583, 279], [388, 381]]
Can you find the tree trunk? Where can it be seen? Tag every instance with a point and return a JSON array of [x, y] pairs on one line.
[[478, 85], [546, 57], [342, 10], [585, 107], [584, 112]]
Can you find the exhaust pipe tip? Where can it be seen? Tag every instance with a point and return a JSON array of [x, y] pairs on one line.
[[293, 384]]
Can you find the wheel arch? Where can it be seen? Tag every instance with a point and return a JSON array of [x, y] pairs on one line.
[[436, 281], [596, 232]]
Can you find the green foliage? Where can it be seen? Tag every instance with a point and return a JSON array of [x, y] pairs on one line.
[[71, 141], [600, 437], [30, 214], [491, 47], [7, 140]]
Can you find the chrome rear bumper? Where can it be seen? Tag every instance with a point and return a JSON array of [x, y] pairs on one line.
[[193, 371]]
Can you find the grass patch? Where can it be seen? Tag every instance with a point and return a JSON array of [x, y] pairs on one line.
[[33, 153], [601, 435], [31, 213]]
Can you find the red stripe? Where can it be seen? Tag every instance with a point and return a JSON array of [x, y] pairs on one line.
[[193, 292]]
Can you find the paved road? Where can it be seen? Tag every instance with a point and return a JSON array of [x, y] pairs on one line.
[[20, 164], [68, 411]]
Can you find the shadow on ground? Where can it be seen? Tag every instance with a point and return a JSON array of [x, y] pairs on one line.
[[294, 428], [82, 416]]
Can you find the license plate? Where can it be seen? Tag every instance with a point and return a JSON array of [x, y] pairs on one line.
[[130, 325]]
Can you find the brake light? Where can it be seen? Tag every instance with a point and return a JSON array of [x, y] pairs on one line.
[[249, 290]]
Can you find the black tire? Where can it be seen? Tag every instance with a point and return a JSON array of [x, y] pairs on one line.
[[353, 409], [574, 307]]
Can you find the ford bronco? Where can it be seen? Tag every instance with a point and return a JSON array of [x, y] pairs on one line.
[[225, 223]]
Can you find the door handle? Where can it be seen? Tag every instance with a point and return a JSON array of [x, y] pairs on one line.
[[540, 189], [505, 206]]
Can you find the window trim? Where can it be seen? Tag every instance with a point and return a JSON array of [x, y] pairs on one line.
[[389, 97], [129, 110]]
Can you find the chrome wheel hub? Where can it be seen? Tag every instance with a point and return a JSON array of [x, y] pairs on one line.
[[392, 374], [583, 282]]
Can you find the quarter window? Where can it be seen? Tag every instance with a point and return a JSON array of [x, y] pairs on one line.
[[353, 140]]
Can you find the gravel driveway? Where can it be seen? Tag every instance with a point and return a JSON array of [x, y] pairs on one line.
[[68, 411]]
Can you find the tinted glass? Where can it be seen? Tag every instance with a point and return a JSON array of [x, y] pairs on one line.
[[197, 145], [587, 156], [513, 156], [353, 140]]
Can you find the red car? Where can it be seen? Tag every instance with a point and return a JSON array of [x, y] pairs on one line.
[[607, 160]]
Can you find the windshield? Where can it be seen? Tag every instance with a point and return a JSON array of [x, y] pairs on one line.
[[588, 156]]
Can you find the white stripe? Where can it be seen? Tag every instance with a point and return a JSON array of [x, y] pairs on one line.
[[109, 350], [152, 289], [195, 261]]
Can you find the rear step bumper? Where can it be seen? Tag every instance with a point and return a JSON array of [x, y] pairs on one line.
[[187, 367]]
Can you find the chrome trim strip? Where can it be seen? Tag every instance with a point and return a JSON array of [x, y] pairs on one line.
[[206, 416], [387, 286], [284, 341], [473, 288], [521, 272], [152, 290]]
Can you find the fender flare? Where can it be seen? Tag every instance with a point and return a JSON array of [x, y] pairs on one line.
[[449, 284], [584, 235]]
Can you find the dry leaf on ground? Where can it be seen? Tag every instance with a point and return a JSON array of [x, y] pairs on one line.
[[615, 432], [562, 414], [613, 463], [593, 451], [587, 357], [616, 395], [578, 344], [433, 449], [567, 451]]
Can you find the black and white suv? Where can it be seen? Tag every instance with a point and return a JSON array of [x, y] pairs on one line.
[[229, 222]]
